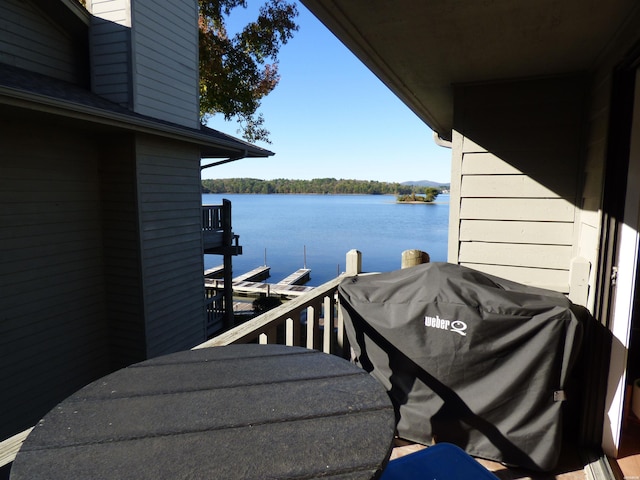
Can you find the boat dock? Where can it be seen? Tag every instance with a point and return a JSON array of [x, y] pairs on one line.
[[270, 289], [254, 275], [299, 277], [248, 283], [215, 272]]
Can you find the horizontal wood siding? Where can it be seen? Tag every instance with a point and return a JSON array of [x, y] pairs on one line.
[[171, 234], [166, 60], [526, 232], [32, 41], [515, 176], [52, 294], [110, 41], [121, 240]]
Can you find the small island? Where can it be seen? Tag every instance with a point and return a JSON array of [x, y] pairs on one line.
[[430, 194]]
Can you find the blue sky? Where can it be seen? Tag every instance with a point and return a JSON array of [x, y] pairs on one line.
[[331, 117]]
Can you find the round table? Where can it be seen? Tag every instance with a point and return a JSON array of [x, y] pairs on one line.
[[234, 412]]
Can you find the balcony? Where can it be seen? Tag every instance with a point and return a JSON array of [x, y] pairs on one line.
[[217, 234]]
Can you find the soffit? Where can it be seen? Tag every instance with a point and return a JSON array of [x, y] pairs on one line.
[[421, 49]]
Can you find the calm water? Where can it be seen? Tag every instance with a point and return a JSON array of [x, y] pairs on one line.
[[327, 227]]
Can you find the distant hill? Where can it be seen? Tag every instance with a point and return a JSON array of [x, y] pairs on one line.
[[425, 183]]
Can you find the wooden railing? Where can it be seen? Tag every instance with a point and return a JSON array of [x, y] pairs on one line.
[[212, 218], [312, 320]]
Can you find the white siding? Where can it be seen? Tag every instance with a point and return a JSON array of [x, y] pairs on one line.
[[165, 40], [53, 328], [514, 181], [171, 243], [31, 41]]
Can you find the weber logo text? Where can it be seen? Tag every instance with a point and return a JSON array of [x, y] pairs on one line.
[[456, 326]]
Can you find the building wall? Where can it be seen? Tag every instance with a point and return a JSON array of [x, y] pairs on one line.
[[110, 45], [516, 170], [170, 224], [165, 51], [145, 56], [52, 295], [122, 249], [52, 51]]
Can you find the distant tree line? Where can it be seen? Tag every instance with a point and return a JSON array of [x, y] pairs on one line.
[[317, 185]]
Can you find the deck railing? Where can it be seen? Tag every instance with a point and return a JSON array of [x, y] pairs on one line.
[[312, 320], [212, 218]]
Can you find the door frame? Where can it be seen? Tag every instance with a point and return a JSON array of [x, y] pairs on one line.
[[623, 295]]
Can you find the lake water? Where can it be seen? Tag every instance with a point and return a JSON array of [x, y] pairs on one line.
[[327, 227]]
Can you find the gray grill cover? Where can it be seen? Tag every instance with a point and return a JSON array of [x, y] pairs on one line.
[[467, 358]]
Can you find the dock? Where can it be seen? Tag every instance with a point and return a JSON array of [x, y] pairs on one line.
[[254, 275], [215, 272], [299, 277], [249, 284], [259, 273], [270, 289]]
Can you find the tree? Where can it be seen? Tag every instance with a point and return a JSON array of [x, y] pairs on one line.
[[431, 193], [237, 71]]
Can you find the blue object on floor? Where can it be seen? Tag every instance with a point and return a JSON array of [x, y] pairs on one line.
[[442, 461]]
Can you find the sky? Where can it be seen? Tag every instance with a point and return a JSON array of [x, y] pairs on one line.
[[330, 116]]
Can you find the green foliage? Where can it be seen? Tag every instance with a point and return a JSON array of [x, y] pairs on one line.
[[237, 71], [429, 196], [317, 186]]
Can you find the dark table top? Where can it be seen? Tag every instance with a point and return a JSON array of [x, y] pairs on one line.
[[240, 411]]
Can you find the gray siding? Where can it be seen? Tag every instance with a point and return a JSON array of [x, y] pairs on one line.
[[121, 240], [52, 295], [110, 44], [31, 41], [516, 167], [145, 56], [166, 60], [169, 199]]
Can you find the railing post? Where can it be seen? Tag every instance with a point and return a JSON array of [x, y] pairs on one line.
[[411, 258], [228, 273], [354, 262]]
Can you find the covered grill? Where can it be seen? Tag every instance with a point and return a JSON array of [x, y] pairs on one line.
[[467, 358]]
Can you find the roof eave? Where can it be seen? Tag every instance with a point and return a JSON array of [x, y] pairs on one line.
[[211, 147]]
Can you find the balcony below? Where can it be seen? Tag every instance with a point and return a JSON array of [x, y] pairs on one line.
[[217, 234]]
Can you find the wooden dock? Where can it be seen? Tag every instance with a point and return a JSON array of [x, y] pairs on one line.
[[254, 275], [215, 272], [248, 284], [259, 273], [299, 277], [270, 289]]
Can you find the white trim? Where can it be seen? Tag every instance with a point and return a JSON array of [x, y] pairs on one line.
[[624, 295]]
